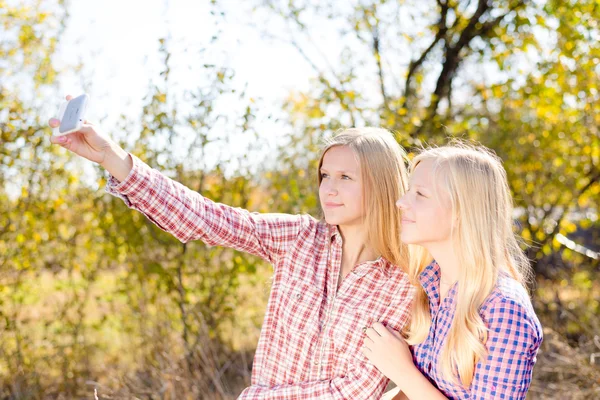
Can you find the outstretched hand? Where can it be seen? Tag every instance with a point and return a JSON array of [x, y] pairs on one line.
[[91, 143], [88, 142]]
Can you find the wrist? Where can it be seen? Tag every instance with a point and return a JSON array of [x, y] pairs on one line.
[[403, 378], [117, 162], [112, 152]]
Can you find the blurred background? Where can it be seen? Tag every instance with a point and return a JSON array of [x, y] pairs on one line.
[[232, 99]]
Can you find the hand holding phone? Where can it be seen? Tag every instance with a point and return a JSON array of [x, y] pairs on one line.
[[76, 134], [71, 115], [88, 141]]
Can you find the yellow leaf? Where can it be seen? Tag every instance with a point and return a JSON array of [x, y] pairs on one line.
[[415, 121]]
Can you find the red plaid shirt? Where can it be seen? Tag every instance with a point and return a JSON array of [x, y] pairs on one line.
[[313, 330]]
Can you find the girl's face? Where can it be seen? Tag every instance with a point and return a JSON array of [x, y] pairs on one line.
[[426, 217], [341, 190]]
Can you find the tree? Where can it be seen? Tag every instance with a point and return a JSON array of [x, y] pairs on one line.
[[517, 76]]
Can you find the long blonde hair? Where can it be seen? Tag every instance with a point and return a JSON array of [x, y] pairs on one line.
[[485, 244], [385, 179]]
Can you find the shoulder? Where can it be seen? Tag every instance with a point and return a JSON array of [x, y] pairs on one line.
[[399, 279], [508, 312], [507, 294]]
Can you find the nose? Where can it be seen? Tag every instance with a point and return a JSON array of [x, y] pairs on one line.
[[401, 203], [332, 191], [328, 188]]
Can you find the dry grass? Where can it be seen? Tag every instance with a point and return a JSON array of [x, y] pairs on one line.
[[563, 372], [152, 364]]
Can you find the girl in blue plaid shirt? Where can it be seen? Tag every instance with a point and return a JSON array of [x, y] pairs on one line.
[[473, 332]]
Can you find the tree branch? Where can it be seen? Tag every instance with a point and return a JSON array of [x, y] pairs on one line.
[[414, 65], [377, 53], [594, 177], [452, 53]]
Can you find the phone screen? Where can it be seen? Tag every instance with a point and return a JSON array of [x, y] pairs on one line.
[[73, 115]]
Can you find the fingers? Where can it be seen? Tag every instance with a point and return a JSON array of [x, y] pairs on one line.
[[86, 127], [380, 329], [69, 97], [61, 140], [367, 346], [372, 334], [396, 334], [53, 122]]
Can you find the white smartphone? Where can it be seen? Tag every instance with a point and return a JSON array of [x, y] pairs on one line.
[[71, 115]]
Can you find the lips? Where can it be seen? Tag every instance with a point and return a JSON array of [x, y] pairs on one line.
[[333, 205], [407, 221]]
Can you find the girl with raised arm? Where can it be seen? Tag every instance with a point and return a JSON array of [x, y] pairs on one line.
[[332, 277]]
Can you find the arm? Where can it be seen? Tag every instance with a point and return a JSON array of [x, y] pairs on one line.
[[367, 383], [416, 386], [387, 349], [178, 210], [514, 338], [187, 215]]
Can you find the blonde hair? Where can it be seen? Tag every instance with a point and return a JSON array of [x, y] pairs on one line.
[[485, 244], [385, 180]]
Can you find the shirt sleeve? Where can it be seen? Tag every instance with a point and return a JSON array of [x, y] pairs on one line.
[[514, 338], [188, 215], [365, 383]]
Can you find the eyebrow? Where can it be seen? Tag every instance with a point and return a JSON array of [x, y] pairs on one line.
[[340, 171], [417, 185]]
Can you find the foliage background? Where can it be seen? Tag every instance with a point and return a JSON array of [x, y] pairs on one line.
[[93, 296]]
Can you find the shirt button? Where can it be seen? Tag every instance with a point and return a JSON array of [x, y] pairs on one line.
[[316, 362]]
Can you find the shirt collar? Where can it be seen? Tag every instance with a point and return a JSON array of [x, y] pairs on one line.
[[380, 263], [334, 234], [430, 280]]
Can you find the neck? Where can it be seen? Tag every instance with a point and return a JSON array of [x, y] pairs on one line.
[[355, 249], [447, 259]]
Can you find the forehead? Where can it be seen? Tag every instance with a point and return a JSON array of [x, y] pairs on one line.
[[423, 173], [424, 176], [341, 158]]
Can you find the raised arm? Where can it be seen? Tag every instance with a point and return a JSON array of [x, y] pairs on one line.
[[178, 210], [188, 215]]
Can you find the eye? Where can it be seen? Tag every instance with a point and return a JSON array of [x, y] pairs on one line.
[[345, 177], [324, 175], [420, 194]]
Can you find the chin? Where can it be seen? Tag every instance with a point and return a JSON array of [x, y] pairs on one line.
[[339, 220], [408, 239], [334, 220]]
